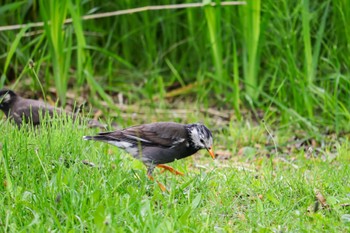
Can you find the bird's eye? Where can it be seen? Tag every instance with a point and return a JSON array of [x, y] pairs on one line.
[[202, 141]]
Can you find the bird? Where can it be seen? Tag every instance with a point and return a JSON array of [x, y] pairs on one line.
[[156, 144], [22, 110]]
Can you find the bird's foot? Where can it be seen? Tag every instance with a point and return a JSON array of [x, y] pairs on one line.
[[161, 186], [170, 169]]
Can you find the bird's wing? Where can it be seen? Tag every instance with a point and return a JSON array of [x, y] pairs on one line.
[[156, 134], [31, 111]]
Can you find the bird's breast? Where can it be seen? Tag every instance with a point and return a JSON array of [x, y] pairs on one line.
[[157, 155]]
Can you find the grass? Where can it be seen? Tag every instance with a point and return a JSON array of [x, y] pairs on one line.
[[285, 55], [46, 187], [288, 60]]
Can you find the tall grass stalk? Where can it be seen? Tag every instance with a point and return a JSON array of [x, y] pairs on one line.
[[309, 72], [341, 11], [213, 15], [250, 14], [236, 96], [308, 64], [54, 14], [75, 11], [11, 52]]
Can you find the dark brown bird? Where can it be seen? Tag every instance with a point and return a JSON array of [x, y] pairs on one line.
[[158, 143], [22, 110]]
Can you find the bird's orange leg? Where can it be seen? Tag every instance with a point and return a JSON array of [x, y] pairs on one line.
[[161, 186], [170, 169]]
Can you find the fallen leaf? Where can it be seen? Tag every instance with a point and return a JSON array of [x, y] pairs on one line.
[[321, 199]]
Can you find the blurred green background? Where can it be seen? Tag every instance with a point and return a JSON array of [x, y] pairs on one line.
[[289, 59]]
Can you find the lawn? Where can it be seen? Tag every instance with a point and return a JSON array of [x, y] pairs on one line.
[[269, 78], [54, 181]]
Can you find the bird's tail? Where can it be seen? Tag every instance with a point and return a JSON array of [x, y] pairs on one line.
[[104, 136], [96, 138], [88, 137]]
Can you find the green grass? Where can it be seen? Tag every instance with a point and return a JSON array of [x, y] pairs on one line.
[[46, 187], [291, 56], [284, 62]]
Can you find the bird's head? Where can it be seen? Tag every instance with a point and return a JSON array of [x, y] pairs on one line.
[[201, 138], [6, 98]]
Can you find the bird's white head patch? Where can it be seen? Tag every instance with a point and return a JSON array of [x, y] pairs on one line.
[[6, 98], [201, 136]]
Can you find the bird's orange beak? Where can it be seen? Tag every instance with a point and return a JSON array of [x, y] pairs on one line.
[[211, 152]]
